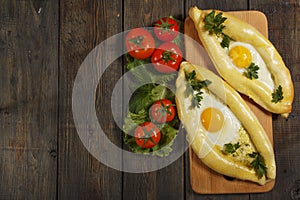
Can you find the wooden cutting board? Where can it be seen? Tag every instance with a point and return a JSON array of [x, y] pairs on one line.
[[204, 180]]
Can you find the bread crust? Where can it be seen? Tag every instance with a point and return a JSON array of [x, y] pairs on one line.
[[241, 31], [204, 149]]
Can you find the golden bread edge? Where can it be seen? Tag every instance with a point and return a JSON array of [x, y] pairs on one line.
[[247, 118]]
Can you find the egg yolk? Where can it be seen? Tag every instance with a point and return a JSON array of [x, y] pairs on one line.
[[212, 119], [240, 56]]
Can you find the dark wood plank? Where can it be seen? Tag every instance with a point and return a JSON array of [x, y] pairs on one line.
[[226, 5], [28, 101], [284, 25], [229, 5], [166, 183], [84, 24]]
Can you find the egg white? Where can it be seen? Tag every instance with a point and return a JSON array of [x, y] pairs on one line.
[[231, 124], [191, 116], [264, 74]]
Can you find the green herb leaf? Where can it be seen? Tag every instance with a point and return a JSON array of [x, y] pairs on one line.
[[190, 76], [225, 41], [197, 99], [251, 71], [258, 164], [231, 148], [195, 85], [214, 23], [277, 96]]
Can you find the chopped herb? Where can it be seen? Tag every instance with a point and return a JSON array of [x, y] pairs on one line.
[[197, 99], [225, 41], [251, 71], [258, 164], [277, 96], [214, 23], [231, 148], [195, 85], [190, 76]]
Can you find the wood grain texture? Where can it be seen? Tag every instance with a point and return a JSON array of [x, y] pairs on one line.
[[225, 5], [84, 24], [28, 101], [163, 183], [43, 43]]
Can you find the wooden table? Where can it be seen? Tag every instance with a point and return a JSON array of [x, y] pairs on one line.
[[42, 45]]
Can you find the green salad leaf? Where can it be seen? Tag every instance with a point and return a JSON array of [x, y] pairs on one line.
[[163, 148], [143, 72], [149, 86], [133, 119]]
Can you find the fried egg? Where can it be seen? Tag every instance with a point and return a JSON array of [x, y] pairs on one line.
[[213, 118], [243, 54], [217, 120], [222, 122]]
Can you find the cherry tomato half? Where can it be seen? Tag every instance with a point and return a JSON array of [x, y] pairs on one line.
[[166, 58], [162, 111], [139, 43], [166, 29], [147, 135]]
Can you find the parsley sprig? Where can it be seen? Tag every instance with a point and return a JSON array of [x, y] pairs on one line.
[[231, 148], [258, 164], [214, 24], [277, 95], [252, 71], [225, 41], [195, 85]]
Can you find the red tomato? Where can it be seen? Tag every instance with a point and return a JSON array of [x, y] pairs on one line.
[[139, 43], [166, 29], [163, 111], [147, 135], [166, 58]]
